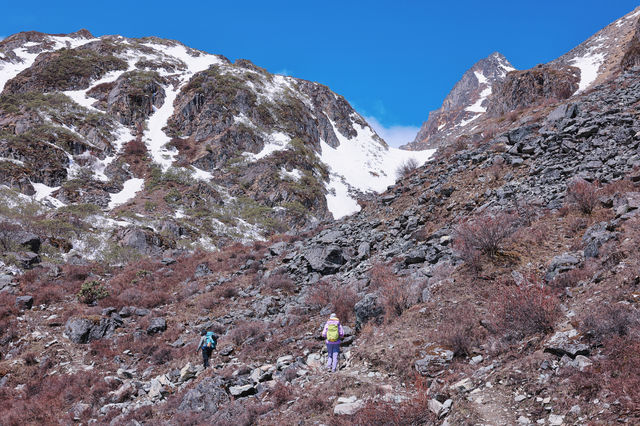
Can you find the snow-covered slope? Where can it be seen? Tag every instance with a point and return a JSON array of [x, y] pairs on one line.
[[600, 55], [253, 142], [15, 60], [362, 164]]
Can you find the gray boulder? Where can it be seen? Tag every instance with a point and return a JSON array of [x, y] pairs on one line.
[[325, 259], [595, 237], [207, 396], [562, 263], [435, 360], [242, 391], [368, 309], [26, 259], [202, 270], [28, 240], [85, 330], [24, 302], [566, 343], [157, 325]]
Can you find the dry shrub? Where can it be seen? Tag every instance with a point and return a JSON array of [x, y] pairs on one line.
[[526, 310], [281, 393], [208, 301], [483, 234], [583, 195], [340, 297], [102, 348], [613, 377], [316, 402], [460, 331], [236, 413], [135, 147], [281, 281], [44, 399], [395, 292], [570, 278], [608, 322], [411, 412], [407, 166], [7, 234], [248, 332], [149, 283]]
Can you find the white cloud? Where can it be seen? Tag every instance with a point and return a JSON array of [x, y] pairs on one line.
[[284, 71], [393, 135]]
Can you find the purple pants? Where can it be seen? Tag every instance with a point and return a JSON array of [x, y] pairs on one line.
[[333, 350]]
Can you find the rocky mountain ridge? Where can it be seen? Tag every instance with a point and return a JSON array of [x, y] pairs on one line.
[[110, 121], [601, 57]]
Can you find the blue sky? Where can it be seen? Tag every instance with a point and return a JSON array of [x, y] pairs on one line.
[[393, 60]]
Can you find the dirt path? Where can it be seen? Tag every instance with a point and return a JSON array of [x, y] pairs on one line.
[[492, 407]]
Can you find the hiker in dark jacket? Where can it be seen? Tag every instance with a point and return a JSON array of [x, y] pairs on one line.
[[207, 344], [333, 332]]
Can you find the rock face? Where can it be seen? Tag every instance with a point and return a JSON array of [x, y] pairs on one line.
[[231, 141], [522, 89], [325, 259], [132, 97]]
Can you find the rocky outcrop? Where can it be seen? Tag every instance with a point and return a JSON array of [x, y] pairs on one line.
[[523, 89], [67, 69], [207, 396], [132, 97], [85, 330]]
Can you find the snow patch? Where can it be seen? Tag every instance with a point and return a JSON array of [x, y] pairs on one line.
[[43, 193], [363, 163], [12, 160], [589, 65], [129, 190], [201, 174], [477, 106], [155, 138], [339, 202], [294, 174], [276, 141], [10, 70]]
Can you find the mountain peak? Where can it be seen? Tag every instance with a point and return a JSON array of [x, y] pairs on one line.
[[466, 102]]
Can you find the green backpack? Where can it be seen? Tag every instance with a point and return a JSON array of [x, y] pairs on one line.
[[333, 334]]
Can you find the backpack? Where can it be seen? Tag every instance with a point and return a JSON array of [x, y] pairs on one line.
[[210, 342], [333, 333]]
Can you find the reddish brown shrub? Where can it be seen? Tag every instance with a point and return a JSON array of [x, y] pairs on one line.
[[412, 412], [248, 331], [583, 195], [7, 233], [281, 393], [608, 322], [483, 234], [281, 281], [522, 311], [135, 147], [460, 331], [339, 297], [394, 291]]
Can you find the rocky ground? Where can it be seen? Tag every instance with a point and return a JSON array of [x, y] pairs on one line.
[[495, 285]]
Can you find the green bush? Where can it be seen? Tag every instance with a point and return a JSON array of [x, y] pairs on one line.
[[92, 291]]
